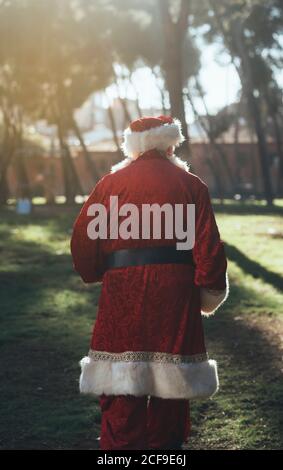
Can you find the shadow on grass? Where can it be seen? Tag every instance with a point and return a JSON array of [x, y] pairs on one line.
[[253, 267], [247, 412], [29, 269], [46, 316]]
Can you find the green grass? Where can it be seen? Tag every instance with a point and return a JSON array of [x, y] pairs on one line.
[[47, 316]]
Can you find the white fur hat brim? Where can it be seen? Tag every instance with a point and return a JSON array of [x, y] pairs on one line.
[[160, 138]]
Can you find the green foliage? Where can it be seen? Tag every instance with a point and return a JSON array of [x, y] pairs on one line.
[[42, 58]]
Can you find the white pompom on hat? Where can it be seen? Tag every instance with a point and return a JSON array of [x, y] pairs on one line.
[[152, 133]]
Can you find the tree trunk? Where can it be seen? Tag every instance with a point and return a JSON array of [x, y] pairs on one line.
[[138, 108], [7, 154], [236, 146], [127, 116], [90, 164], [174, 35], [217, 179], [208, 160], [24, 190], [279, 145], [71, 179], [70, 176], [4, 188], [161, 91], [245, 76], [114, 129], [6, 159], [217, 148], [246, 79]]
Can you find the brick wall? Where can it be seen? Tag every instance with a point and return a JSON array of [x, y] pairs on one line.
[[241, 174]]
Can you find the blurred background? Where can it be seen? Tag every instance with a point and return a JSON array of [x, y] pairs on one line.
[[73, 74]]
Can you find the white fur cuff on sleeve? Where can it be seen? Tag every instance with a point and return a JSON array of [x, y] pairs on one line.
[[212, 299]]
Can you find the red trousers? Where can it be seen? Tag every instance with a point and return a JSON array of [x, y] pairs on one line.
[[130, 422]]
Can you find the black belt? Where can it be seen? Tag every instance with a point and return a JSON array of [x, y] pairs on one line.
[[150, 255]]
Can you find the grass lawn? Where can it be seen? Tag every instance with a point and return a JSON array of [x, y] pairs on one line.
[[47, 316]]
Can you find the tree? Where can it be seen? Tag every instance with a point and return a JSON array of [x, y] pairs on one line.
[[174, 33], [59, 64], [161, 39], [214, 126], [231, 22]]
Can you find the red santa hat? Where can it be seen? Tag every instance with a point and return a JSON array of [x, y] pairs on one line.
[[152, 133]]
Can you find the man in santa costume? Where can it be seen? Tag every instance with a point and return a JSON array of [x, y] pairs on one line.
[[147, 356]]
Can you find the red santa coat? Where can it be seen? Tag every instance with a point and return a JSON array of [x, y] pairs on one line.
[[148, 335]]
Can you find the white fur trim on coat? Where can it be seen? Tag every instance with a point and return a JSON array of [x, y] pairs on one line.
[[165, 380], [127, 161], [211, 299], [160, 138], [122, 164]]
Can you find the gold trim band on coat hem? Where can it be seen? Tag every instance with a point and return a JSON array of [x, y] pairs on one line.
[[146, 356]]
